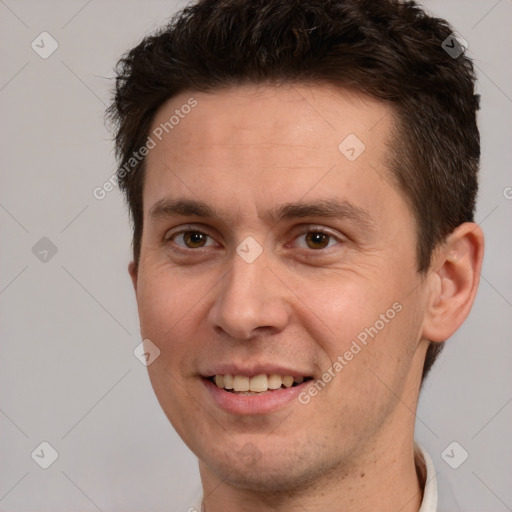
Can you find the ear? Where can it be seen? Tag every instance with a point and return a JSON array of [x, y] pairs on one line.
[[454, 281], [133, 271]]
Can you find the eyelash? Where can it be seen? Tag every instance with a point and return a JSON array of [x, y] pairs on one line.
[[307, 230], [171, 237]]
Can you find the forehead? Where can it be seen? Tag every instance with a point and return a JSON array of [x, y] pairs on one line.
[[316, 117], [268, 143]]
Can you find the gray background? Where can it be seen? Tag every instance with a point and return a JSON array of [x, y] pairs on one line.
[[69, 325]]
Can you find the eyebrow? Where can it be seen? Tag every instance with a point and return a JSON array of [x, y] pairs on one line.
[[181, 207], [325, 208]]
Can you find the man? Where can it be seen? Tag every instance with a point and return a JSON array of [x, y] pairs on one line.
[[301, 177]]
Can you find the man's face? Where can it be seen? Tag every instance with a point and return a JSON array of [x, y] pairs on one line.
[[267, 249]]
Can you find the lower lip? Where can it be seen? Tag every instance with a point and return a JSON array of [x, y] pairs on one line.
[[263, 403]]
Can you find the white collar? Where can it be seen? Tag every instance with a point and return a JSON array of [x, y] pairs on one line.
[[429, 503]]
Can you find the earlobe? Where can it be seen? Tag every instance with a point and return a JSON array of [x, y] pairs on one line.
[[133, 271], [456, 276]]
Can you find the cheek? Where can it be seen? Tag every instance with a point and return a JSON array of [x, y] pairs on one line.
[[375, 358], [365, 331], [168, 308], [344, 307], [169, 304], [164, 298]]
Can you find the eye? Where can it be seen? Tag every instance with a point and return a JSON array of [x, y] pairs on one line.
[[191, 239], [316, 238]]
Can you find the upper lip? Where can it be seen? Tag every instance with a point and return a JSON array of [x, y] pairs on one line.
[[253, 370]]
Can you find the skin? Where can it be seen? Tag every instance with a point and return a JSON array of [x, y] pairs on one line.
[[245, 151]]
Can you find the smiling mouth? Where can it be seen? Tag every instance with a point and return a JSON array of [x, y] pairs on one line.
[[244, 385]]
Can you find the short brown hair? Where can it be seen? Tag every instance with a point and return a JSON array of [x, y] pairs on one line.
[[389, 49]]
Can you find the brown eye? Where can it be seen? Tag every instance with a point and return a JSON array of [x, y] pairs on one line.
[[191, 239], [317, 240], [194, 239]]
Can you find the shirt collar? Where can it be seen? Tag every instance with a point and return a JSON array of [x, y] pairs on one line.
[[429, 503]]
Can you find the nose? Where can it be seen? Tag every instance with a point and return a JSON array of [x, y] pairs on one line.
[[250, 301]]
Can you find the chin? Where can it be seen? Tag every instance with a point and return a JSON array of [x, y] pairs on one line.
[[260, 472], [258, 478]]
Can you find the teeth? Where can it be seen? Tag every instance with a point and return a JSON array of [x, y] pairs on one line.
[[256, 384], [241, 383], [274, 381], [228, 381], [288, 381]]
